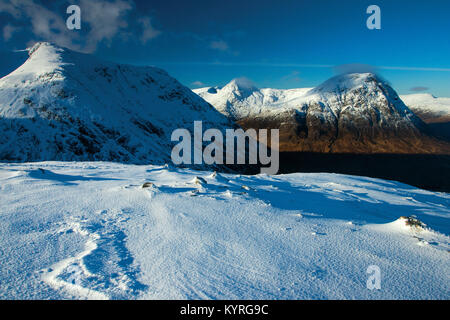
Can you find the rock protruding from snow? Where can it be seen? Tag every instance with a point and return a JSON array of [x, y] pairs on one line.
[[64, 105]]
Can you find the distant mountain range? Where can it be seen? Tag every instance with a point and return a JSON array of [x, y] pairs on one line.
[[434, 111], [64, 105], [429, 108], [350, 113], [67, 106]]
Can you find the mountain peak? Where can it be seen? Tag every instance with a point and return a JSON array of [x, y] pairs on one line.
[[65, 105], [43, 45], [242, 86], [348, 81], [353, 112], [44, 58]]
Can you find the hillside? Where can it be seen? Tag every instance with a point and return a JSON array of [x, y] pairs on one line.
[[350, 113], [64, 105]]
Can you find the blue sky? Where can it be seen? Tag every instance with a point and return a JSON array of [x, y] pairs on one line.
[[282, 44]]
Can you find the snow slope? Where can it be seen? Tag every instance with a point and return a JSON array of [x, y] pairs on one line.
[[428, 106], [64, 105], [239, 99], [88, 230]]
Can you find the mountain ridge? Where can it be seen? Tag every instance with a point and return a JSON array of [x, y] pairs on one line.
[[357, 112], [69, 106]]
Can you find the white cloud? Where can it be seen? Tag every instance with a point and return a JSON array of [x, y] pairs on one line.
[[105, 19], [10, 7], [101, 21], [354, 68], [149, 31], [44, 23], [419, 89], [198, 84], [293, 76], [245, 82], [219, 45], [8, 31]]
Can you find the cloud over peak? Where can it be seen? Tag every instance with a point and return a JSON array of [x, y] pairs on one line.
[[419, 89]]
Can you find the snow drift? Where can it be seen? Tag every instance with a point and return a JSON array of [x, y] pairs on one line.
[[91, 231]]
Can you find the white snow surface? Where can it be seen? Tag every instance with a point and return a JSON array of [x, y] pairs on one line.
[[240, 100], [425, 102], [89, 230]]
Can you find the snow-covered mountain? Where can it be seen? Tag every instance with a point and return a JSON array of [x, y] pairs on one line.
[[64, 105], [240, 99], [428, 107], [357, 112]]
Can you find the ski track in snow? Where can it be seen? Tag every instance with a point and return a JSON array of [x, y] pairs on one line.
[[91, 231]]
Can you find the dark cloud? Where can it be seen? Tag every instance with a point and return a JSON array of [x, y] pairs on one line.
[[419, 89], [101, 21], [354, 68]]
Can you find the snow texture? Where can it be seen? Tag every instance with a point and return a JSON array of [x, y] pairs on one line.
[[85, 230]]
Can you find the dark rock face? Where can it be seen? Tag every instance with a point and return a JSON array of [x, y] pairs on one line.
[[308, 133]]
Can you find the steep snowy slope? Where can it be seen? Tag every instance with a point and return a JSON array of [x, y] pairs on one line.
[[91, 231], [64, 105], [431, 109], [348, 113]]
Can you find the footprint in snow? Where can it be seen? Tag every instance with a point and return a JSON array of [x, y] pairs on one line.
[[318, 274], [104, 269]]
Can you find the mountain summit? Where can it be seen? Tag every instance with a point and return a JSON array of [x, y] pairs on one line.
[[349, 113], [64, 105]]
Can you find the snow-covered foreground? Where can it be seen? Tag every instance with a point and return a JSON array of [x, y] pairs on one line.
[[90, 230]]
